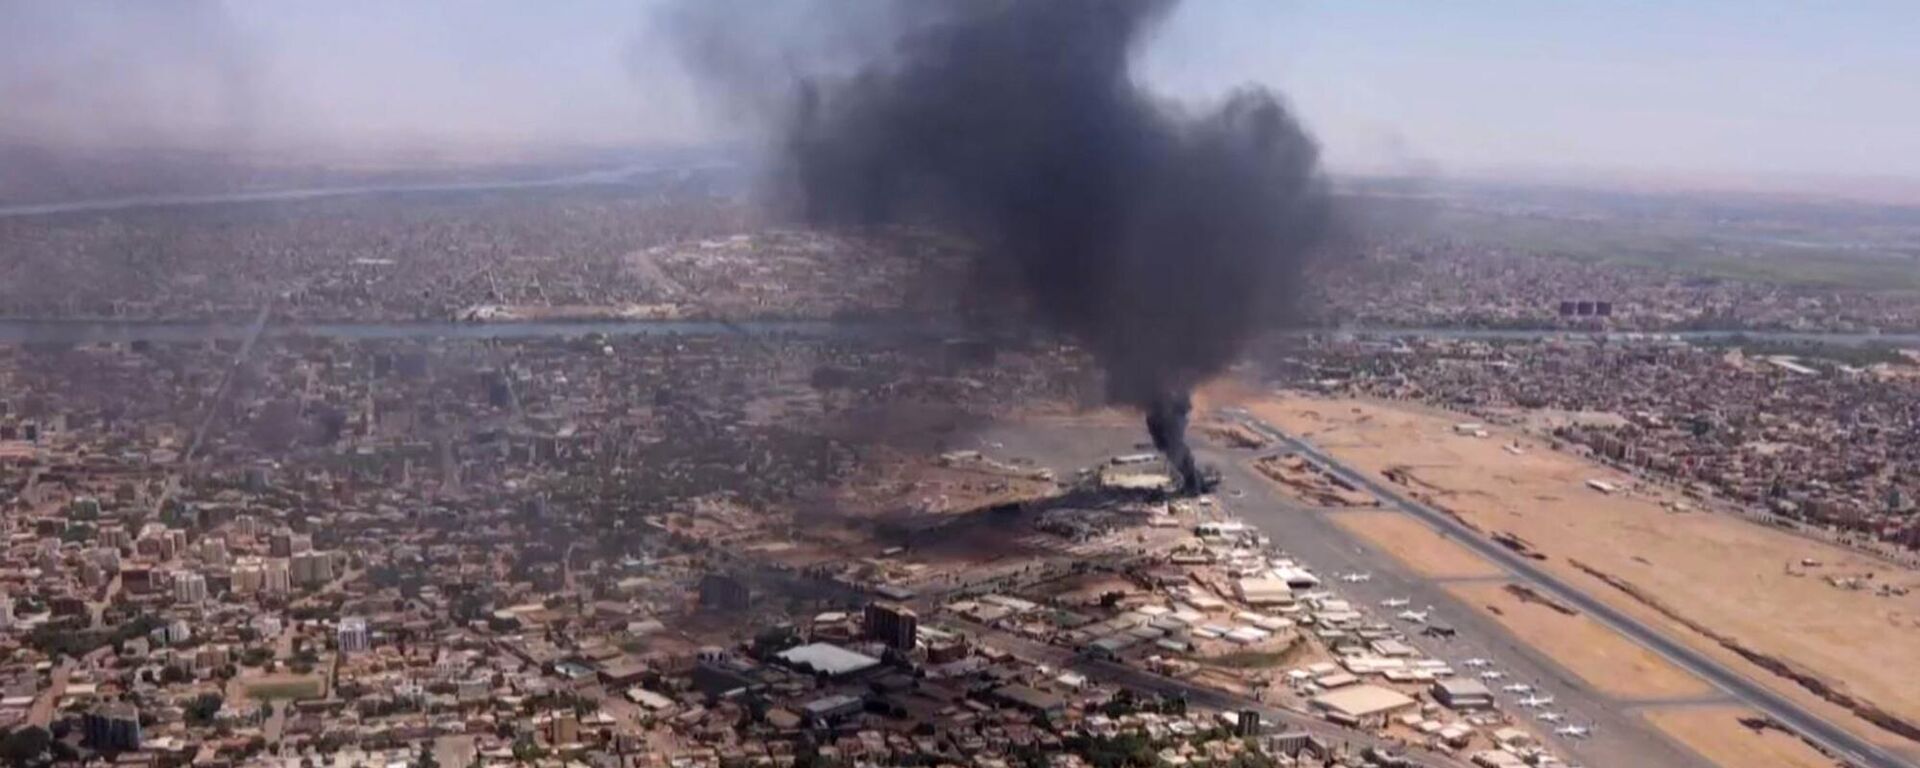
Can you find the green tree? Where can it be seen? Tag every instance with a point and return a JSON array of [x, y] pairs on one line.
[[25, 744], [202, 709], [525, 749]]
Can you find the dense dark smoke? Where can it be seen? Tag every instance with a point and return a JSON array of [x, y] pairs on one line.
[[1158, 238], [1167, 424]]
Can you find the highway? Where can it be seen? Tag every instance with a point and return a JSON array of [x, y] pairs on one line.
[[1835, 739]]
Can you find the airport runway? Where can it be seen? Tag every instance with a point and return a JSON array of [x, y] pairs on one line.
[[1841, 742], [1620, 738], [1310, 535]]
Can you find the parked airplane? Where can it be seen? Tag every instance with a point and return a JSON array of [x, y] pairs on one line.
[[1535, 702], [1394, 602], [1476, 663], [1356, 577], [1492, 674], [1517, 688], [1551, 717], [1417, 617], [1574, 731]]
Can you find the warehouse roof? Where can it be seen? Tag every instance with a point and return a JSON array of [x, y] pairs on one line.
[[1362, 701], [828, 659]]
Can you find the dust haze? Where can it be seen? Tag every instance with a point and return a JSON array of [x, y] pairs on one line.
[[336, 82]]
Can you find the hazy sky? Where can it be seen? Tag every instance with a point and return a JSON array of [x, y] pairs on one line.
[[1463, 85]]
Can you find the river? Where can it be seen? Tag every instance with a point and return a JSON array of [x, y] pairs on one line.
[[18, 331], [611, 176], [107, 331]]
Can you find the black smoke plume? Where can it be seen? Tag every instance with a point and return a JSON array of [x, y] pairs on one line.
[[1157, 237], [1167, 424]]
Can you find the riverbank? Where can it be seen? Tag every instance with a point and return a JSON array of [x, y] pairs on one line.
[[112, 330]]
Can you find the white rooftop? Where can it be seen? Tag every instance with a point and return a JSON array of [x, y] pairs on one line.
[[828, 659]]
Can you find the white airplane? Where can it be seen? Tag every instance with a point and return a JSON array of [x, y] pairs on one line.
[[1394, 602], [1492, 674], [1535, 702], [1550, 717], [1476, 663], [1417, 617], [1517, 688], [1356, 577], [1574, 731]]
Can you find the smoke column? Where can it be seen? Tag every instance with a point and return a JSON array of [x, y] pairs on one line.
[[1157, 237]]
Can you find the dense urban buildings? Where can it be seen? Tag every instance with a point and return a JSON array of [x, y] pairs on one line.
[[627, 476]]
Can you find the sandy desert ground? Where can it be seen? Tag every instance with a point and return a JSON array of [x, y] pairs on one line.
[[1712, 571], [1717, 734], [1421, 548], [1608, 662]]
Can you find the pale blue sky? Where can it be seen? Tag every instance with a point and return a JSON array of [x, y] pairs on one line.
[[1455, 85], [1693, 85]]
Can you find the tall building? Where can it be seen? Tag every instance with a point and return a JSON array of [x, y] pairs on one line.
[[275, 579], [189, 587], [1248, 724], [248, 576], [116, 537], [177, 631], [353, 636], [310, 568], [213, 552], [895, 625], [112, 727]]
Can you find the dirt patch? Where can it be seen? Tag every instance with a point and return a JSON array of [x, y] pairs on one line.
[[1724, 736], [1419, 547], [1234, 435], [1606, 660], [1530, 595], [284, 686], [1520, 546], [1304, 480], [1268, 659]]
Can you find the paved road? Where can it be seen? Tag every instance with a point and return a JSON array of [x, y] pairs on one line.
[[1841, 742], [42, 712]]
